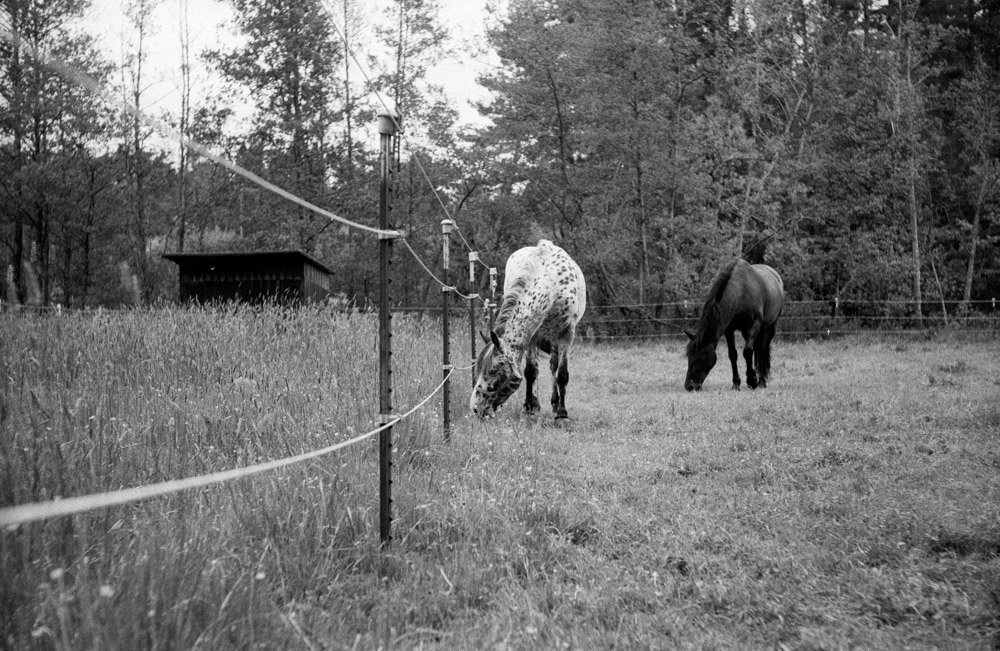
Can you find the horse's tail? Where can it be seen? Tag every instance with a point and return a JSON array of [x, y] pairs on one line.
[[764, 351]]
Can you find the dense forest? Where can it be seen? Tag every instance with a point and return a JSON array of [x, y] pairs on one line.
[[853, 145]]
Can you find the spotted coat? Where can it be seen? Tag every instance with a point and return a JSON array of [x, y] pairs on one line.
[[545, 296]]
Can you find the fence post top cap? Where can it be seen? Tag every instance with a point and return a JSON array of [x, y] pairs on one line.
[[447, 226], [388, 121]]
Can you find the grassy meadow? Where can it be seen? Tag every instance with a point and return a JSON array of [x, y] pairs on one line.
[[855, 503]]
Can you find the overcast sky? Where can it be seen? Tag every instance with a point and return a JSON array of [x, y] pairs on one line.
[[209, 26]]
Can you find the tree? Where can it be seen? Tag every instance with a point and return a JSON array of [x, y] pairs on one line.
[[137, 158], [287, 66], [593, 98], [909, 70], [417, 41], [977, 122], [48, 126], [353, 25], [184, 123]]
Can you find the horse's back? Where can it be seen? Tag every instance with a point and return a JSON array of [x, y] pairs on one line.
[[553, 281], [774, 291], [522, 266]]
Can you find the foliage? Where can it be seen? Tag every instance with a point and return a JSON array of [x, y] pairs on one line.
[[287, 64], [851, 146], [757, 135]]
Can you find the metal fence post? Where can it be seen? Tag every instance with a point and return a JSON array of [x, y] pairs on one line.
[[473, 259], [493, 295], [447, 226], [387, 123]]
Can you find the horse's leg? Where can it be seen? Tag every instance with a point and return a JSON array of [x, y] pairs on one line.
[[749, 343], [559, 365], [763, 353], [530, 376], [733, 357]]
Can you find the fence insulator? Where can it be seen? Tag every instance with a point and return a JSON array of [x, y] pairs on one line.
[[388, 122], [473, 259], [447, 226]]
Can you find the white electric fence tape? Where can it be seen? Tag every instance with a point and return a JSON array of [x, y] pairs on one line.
[[17, 515]]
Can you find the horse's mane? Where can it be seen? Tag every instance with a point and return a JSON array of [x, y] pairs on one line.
[[710, 311], [509, 303]]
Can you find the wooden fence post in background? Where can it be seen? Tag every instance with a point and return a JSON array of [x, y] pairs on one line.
[[387, 123], [447, 226]]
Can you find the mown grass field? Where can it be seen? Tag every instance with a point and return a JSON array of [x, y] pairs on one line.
[[855, 503]]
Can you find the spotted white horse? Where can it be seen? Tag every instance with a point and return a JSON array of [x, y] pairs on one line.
[[544, 299]]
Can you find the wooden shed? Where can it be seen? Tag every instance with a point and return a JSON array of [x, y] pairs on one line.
[[289, 276]]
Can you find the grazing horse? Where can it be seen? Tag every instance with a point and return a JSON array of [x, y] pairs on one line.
[[544, 299], [743, 297]]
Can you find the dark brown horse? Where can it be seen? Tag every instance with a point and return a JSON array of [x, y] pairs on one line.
[[743, 297]]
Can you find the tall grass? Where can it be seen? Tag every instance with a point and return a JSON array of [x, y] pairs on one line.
[[855, 503], [100, 401]]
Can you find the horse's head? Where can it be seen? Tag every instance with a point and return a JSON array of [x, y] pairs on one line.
[[497, 377], [701, 358]]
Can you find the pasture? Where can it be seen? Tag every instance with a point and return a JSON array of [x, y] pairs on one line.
[[854, 503]]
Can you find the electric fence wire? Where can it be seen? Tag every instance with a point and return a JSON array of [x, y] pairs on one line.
[[393, 116]]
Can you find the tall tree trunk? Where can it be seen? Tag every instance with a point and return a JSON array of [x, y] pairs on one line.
[[42, 211], [141, 19], [974, 244], [643, 236], [639, 196], [915, 237], [185, 118], [348, 96], [87, 235], [911, 136], [40, 252], [17, 105]]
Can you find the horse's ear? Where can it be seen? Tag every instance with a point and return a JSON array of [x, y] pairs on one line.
[[689, 334], [486, 339], [496, 340]]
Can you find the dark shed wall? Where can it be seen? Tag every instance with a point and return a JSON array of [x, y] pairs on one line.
[[284, 276]]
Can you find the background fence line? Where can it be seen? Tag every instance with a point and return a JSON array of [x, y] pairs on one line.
[[638, 320], [799, 319]]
